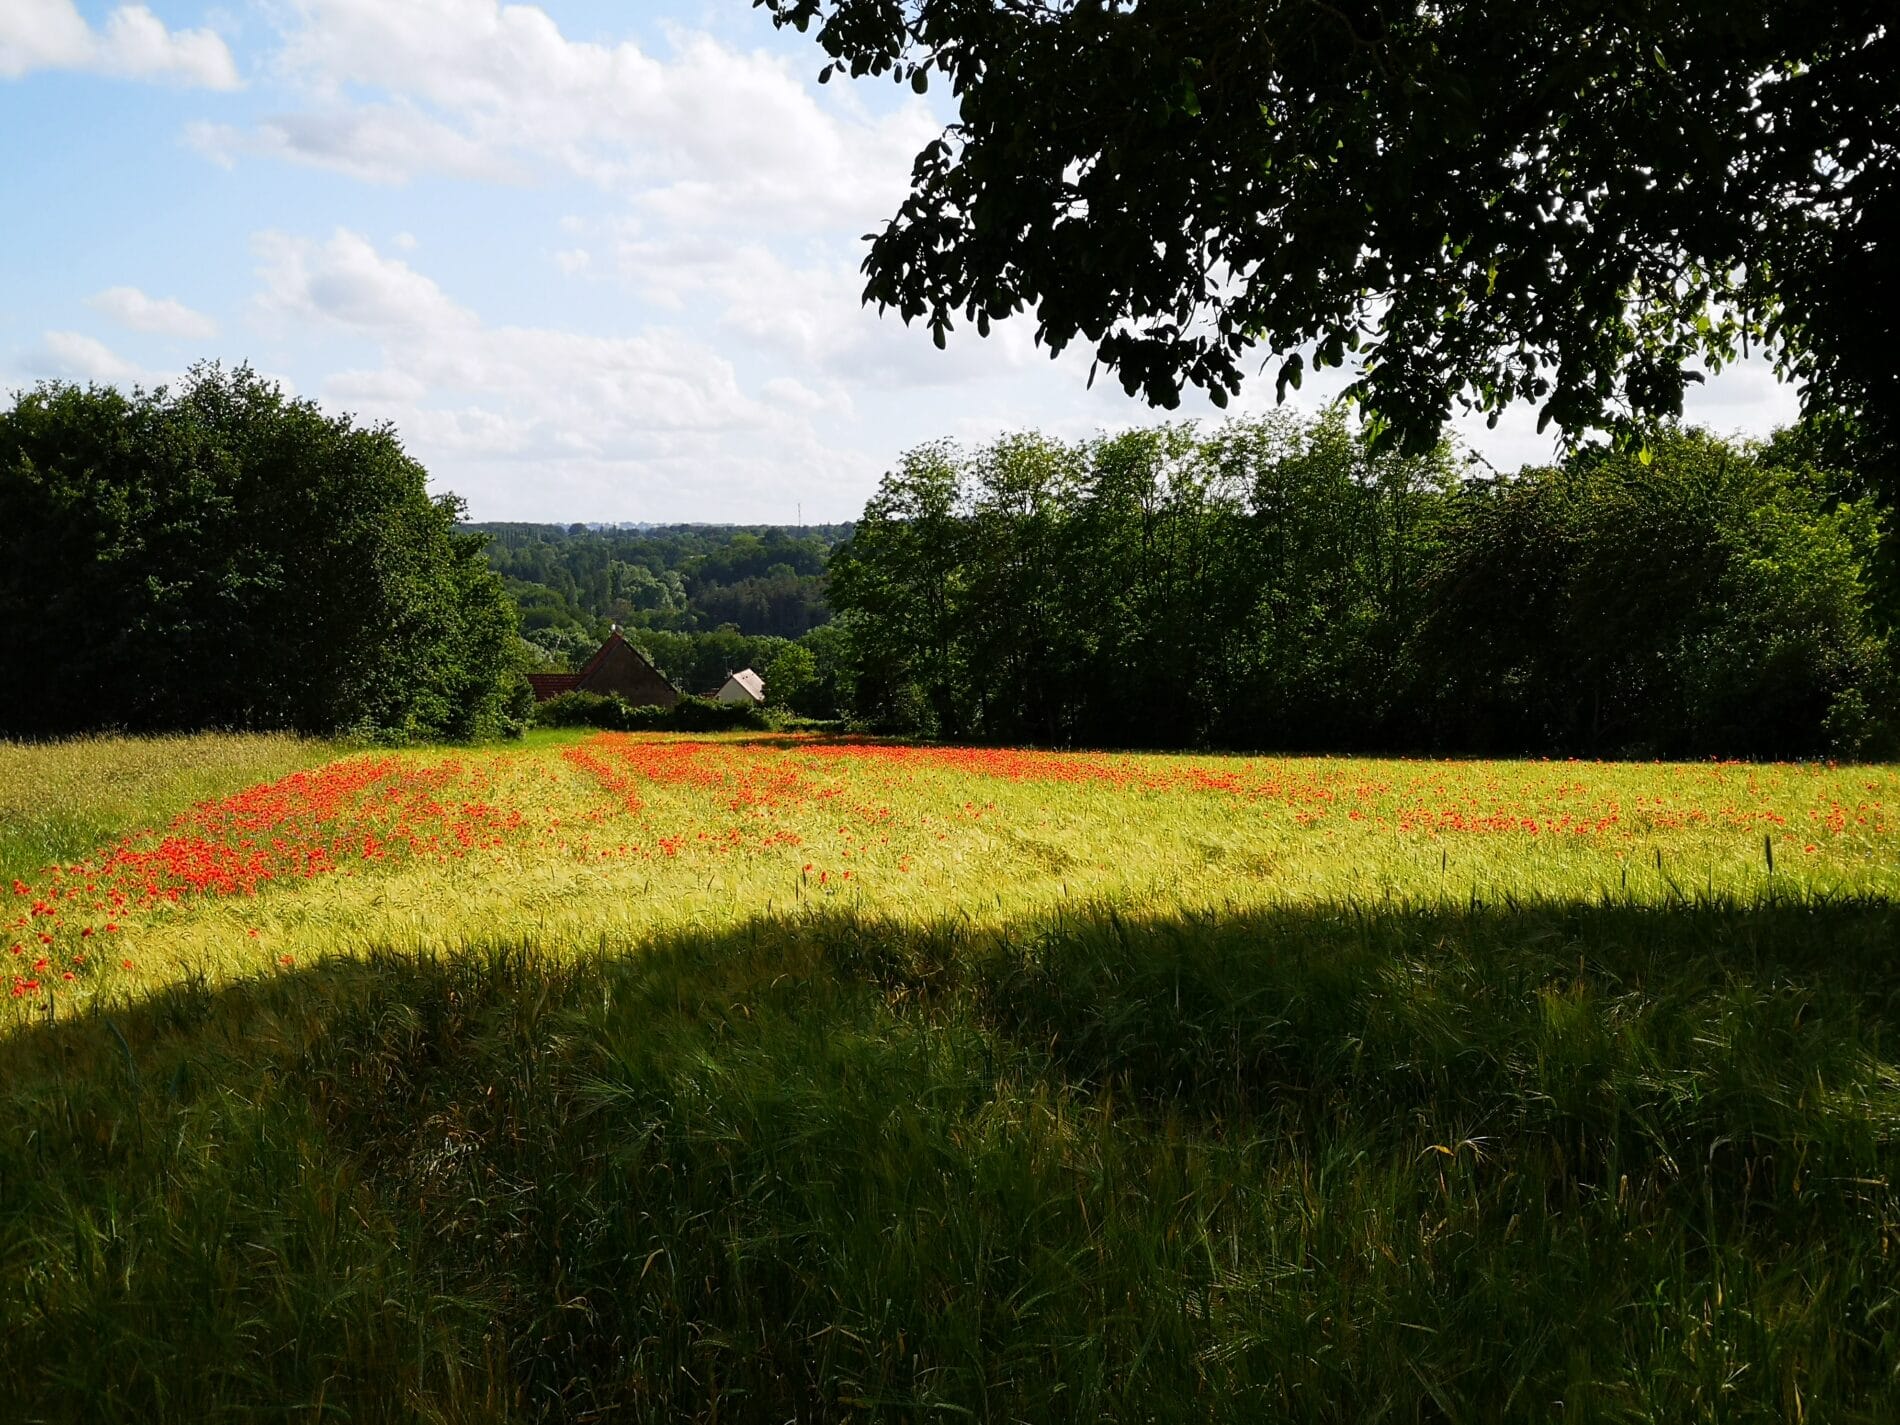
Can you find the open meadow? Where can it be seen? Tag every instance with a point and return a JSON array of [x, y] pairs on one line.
[[612, 1076]]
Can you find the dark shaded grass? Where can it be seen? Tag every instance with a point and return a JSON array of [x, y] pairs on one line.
[[1588, 1163]]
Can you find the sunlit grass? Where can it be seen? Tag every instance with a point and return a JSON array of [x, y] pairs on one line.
[[573, 840], [62, 799], [763, 1079]]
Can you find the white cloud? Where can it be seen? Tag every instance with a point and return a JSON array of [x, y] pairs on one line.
[[810, 314], [532, 418], [51, 34], [379, 389], [164, 316], [347, 282], [72, 356], [1512, 443], [376, 143], [1744, 401], [137, 44], [741, 191], [553, 387], [43, 34], [789, 392], [479, 89], [1744, 398]]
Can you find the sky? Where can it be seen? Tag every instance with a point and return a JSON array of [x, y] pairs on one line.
[[594, 260]]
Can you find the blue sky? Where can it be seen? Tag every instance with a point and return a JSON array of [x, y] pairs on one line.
[[594, 260]]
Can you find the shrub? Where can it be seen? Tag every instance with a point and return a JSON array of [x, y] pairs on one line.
[[705, 715], [580, 710], [615, 714]]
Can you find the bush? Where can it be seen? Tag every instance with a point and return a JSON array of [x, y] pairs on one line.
[[580, 710], [705, 715], [615, 714]]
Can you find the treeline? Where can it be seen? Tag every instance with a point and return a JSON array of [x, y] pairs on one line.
[[220, 555], [1269, 584], [571, 581]]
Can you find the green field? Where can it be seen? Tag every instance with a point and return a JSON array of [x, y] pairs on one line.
[[615, 1077]]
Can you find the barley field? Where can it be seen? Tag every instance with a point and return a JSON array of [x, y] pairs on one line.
[[797, 1078], [65, 799]]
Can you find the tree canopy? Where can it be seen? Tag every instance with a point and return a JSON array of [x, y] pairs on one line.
[[1583, 203], [683, 578], [1272, 583], [222, 555]]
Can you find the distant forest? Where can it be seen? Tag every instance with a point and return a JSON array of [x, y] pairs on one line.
[[702, 600], [1274, 583]]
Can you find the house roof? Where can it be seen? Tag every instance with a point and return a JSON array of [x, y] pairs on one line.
[[600, 653], [549, 685], [750, 681]]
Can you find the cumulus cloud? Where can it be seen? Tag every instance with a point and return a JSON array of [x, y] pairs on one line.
[[347, 282], [72, 356], [377, 389], [1746, 398], [741, 187], [551, 388], [162, 316], [707, 133], [794, 394], [655, 422], [134, 43]]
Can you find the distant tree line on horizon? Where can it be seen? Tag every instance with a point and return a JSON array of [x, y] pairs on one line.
[[571, 581], [701, 601]]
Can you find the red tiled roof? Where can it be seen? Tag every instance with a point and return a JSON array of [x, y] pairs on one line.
[[548, 685]]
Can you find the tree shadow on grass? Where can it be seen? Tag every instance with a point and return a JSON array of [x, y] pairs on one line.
[[1335, 1163]]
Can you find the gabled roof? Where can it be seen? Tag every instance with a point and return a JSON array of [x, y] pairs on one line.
[[600, 654], [750, 681], [549, 685]]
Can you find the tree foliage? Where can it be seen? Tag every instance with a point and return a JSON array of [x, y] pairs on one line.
[[698, 663], [571, 581], [1277, 584], [1705, 601], [792, 678], [1584, 203], [222, 555]]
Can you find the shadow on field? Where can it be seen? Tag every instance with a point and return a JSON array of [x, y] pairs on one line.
[[1336, 1163]]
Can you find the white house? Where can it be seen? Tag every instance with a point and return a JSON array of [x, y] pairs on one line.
[[745, 686]]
